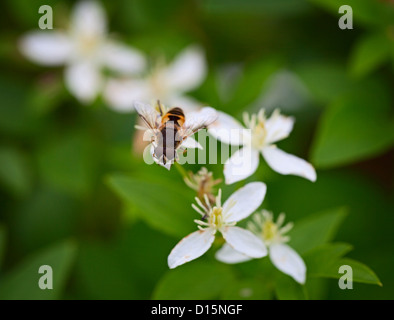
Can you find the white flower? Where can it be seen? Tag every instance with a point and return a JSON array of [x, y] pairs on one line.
[[85, 49], [223, 218], [273, 234], [167, 83], [259, 137]]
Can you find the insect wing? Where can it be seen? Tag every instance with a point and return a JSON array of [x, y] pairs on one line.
[[148, 114], [199, 120]]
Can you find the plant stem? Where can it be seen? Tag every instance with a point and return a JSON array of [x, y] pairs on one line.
[[180, 169]]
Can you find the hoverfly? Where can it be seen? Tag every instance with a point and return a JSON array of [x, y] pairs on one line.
[[170, 130]]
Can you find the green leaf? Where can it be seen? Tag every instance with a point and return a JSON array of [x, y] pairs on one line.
[[361, 272], [22, 282], [288, 289], [67, 162], [46, 216], [251, 83], [128, 266], [316, 230], [325, 261], [322, 258], [324, 80], [196, 280], [14, 171], [268, 7], [355, 127], [44, 96], [146, 14], [369, 53], [317, 288], [165, 206], [15, 116], [3, 239]]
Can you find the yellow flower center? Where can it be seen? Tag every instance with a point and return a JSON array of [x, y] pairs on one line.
[[269, 230], [88, 44], [259, 134], [215, 218], [256, 123]]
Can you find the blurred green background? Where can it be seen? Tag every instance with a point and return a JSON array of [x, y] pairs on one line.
[[73, 194]]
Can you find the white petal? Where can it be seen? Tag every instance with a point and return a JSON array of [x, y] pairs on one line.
[[288, 261], [242, 164], [84, 81], [191, 247], [285, 163], [278, 127], [244, 201], [120, 95], [187, 71], [227, 129], [47, 48], [191, 143], [88, 19], [244, 242], [227, 254], [121, 58]]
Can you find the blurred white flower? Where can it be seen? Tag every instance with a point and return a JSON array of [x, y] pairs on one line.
[[85, 49], [223, 218], [273, 234], [167, 83], [260, 137]]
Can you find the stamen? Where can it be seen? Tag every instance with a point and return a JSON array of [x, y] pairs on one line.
[[267, 215], [202, 223], [280, 220], [261, 116], [198, 209], [188, 181], [213, 219], [257, 219], [200, 203], [287, 228], [207, 201], [245, 117], [252, 227], [253, 120], [276, 113], [219, 199]]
